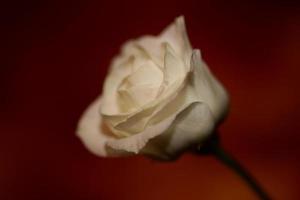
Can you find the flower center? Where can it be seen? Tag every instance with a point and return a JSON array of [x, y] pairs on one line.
[[140, 87]]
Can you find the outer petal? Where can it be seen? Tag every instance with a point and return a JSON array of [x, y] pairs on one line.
[[111, 83], [175, 34], [91, 130], [208, 88], [192, 126]]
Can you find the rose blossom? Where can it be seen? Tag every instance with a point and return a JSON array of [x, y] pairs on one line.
[[158, 99]]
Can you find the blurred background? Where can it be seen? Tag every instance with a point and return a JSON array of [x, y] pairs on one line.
[[55, 55]]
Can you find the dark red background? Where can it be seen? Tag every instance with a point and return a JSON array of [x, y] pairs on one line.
[[55, 57]]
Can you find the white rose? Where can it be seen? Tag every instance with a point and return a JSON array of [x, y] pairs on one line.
[[158, 99]]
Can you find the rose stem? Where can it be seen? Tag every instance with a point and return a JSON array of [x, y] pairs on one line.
[[213, 147]]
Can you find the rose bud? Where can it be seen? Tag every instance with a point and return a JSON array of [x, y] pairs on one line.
[[159, 98]]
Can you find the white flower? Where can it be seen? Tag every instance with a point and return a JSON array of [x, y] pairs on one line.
[[158, 99]]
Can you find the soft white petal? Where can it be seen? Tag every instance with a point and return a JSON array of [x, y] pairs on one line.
[[111, 84], [137, 96], [123, 65], [129, 49], [174, 68], [139, 88], [154, 48], [91, 130], [192, 126], [147, 73], [176, 35], [208, 88], [135, 143]]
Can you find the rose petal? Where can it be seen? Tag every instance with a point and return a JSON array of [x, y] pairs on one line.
[[208, 88], [193, 125], [173, 66], [148, 73], [91, 132], [129, 61], [111, 84], [136, 142], [175, 34], [135, 97], [129, 49]]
